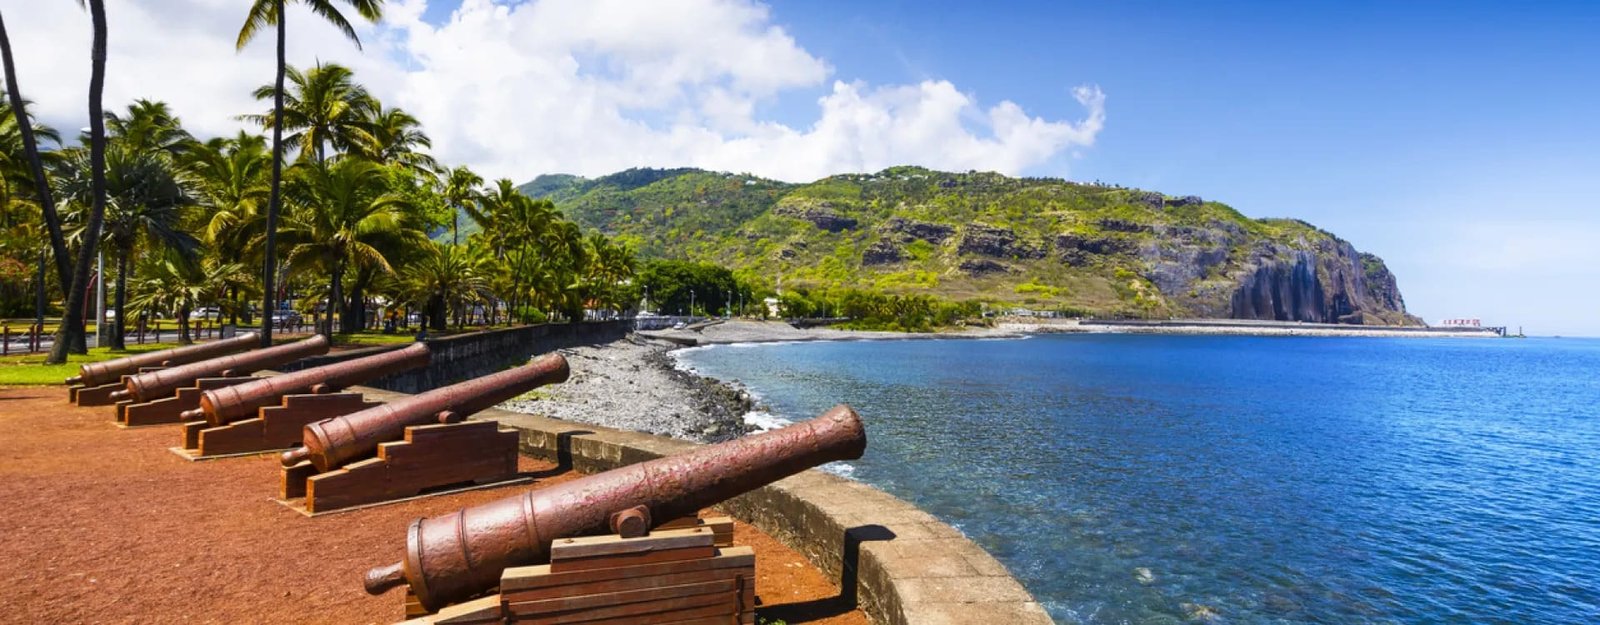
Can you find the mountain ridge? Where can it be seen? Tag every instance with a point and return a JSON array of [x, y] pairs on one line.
[[1042, 243]]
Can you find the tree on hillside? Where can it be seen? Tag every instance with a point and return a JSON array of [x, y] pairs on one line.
[[271, 13]]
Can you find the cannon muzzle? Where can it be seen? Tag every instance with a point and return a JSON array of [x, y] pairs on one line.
[[231, 403], [453, 557], [333, 442], [163, 383], [108, 371]]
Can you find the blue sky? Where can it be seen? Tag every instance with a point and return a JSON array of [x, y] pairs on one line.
[[1457, 140]]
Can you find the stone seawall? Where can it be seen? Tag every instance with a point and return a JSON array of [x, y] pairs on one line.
[[466, 356]]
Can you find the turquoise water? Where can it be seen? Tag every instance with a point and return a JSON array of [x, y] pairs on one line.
[[1166, 479]]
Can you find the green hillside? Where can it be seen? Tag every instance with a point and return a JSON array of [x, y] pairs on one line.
[[1033, 242]]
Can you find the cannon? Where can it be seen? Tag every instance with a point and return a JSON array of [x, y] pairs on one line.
[[157, 384], [453, 557], [331, 443], [228, 404], [105, 372]]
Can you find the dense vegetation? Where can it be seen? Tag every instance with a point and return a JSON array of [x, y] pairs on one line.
[[185, 221], [949, 243]]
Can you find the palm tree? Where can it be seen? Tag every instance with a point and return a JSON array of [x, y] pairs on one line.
[[172, 283], [447, 278], [231, 184], [342, 215], [461, 192], [17, 179], [147, 193], [150, 126], [324, 106], [30, 145], [270, 12], [70, 336], [395, 137]]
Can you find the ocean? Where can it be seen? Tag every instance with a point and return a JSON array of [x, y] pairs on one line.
[[1172, 479]]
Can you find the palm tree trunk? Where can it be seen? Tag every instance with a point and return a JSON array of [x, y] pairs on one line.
[[183, 326], [30, 147], [117, 342], [269, 268], [333, 298], [70, 336]]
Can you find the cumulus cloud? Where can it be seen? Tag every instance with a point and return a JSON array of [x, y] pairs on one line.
[[578, 86]]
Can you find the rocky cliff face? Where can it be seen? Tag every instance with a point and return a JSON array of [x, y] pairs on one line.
[[1324, 282]]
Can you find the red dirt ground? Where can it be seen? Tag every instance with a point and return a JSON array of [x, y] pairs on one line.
[[104, 525]]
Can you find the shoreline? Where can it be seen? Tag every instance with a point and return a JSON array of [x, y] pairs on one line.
[[637, 383]]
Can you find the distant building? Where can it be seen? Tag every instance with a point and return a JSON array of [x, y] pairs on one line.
[[1461, 323]]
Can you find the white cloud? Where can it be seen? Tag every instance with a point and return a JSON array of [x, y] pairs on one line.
[[579, 86]]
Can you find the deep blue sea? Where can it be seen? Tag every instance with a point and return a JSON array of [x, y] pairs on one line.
[[1169, 479]]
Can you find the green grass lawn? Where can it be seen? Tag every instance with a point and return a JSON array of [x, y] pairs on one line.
[[29, 369], [357, 339]]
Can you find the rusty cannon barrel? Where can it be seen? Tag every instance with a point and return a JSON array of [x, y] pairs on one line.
[[108, 371], [453, 557], [157, 384], [333, 442], [231, 403]]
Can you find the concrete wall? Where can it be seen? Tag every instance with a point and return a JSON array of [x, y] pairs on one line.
[[465, 356]]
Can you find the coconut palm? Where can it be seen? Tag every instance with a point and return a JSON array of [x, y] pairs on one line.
[[271, 12], [231, 184], [18, 183], [395, 137], [70, 336], [150, 126], [462, 192], [147, 193], [448, 278], [172, 283], [324, 107], [341, 217]]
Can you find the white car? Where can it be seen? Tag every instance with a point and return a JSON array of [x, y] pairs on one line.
[[206, 314]]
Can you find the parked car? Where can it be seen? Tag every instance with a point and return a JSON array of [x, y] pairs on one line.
[[285, 317], [208, 313]]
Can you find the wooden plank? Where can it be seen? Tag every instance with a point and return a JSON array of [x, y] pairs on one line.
[[557, 605], [191, 433], [540, 576], [293, 483], [449, 455], [631, 559], [481, 610], [714, 614], [632, 582], [419, 433], [413, 605], [157, 412], [583, 547], [717, 598], [96, 395]]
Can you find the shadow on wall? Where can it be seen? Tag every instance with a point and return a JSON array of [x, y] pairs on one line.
[[849, 577]]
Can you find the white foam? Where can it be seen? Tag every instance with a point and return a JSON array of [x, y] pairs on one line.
[[763, 421]]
